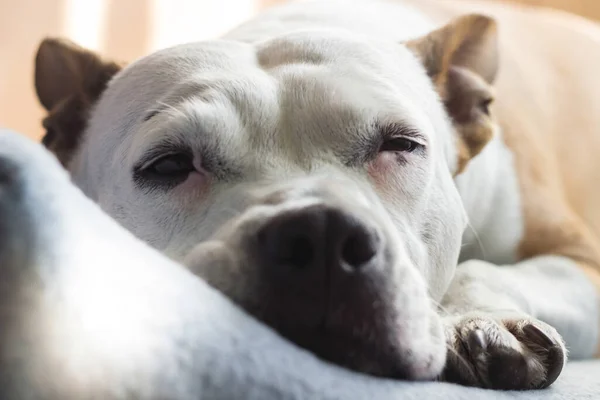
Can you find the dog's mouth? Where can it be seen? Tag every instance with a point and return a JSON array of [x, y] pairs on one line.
[[357, 345], [355, 320]]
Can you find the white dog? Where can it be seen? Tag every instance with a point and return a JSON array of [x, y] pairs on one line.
[[323, 150]]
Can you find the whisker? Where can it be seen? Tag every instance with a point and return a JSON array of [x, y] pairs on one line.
[[478, 239], [440, 307]]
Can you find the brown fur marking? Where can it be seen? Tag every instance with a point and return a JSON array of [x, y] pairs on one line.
[[68, 81], [461, 59]]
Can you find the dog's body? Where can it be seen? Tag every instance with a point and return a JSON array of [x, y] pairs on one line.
[[279, 114], [534, 194]]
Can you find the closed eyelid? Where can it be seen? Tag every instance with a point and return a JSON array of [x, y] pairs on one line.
[[160, 150], [204, 159], [379, 132], [396, 130]]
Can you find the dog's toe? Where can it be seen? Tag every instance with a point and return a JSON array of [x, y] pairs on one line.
[[504, 354], [507, 369], [546, 346]]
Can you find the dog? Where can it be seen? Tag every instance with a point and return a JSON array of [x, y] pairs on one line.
[[388, 185]]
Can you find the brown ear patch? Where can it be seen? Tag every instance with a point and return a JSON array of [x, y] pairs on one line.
[[461, 58], [68, 80], [469, 41], [468, 101]]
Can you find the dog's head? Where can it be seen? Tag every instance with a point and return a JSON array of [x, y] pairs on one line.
[[319, 164]]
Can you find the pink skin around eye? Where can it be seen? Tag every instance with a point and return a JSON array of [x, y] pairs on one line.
[[198, 181], [195, 187], [383, 166]]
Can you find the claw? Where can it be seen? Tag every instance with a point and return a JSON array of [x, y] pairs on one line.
[[477, 342], [537, 335], [555, 364], [555, 359]]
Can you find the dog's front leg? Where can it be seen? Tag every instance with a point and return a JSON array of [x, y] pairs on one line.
[[86, 310], [504, 323]]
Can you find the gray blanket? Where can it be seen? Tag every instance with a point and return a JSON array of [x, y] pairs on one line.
[[228, 354], [266, 369]]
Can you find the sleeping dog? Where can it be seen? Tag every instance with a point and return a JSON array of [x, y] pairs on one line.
[[402, 188]]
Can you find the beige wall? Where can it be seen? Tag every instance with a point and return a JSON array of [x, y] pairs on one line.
[[120, 29], [587, 8]]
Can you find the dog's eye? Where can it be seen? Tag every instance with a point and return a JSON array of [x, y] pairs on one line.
[[171, 167], [400, 145], [164, 172]]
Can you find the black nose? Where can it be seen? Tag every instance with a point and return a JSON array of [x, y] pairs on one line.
[[318, 237]]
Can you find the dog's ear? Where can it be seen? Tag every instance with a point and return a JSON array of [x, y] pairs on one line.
[[461, 58], [68, 80]]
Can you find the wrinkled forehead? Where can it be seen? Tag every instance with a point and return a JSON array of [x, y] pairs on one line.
[[328, 70], [313, 81]]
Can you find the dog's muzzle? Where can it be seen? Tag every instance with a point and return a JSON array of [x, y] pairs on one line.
[[324, 269]]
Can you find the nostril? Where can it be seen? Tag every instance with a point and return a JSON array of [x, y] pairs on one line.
[[296, 251], [359, 248]]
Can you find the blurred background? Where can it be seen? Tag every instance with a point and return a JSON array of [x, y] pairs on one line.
[[125, 30]]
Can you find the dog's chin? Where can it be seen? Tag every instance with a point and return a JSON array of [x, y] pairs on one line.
[[382, 353]]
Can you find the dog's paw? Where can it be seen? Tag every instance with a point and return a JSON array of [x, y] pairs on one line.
[[508, 353]]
